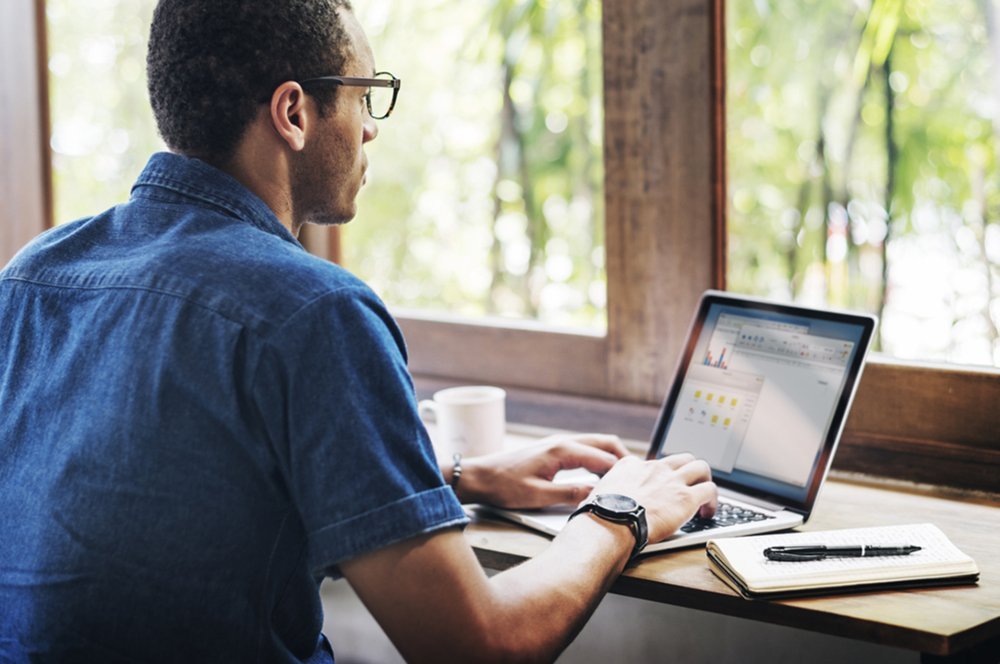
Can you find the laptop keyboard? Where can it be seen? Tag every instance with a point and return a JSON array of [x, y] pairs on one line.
[[726, 515]]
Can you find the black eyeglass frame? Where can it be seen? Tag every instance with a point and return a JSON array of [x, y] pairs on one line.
[[355, 81]]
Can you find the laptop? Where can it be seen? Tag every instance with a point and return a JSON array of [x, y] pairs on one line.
[[761, 392]]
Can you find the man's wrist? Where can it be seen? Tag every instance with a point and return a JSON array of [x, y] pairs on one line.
[[616, 537], [456, 470], [462, 478]]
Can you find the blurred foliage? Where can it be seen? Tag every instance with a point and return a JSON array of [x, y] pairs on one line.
[[485, 192], [101, 125], [862, 140]]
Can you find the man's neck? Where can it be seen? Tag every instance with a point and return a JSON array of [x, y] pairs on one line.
[[259, 164]]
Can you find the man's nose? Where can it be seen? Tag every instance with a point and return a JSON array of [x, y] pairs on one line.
[[370, 128]]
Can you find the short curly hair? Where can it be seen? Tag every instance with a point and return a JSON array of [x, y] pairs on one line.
[[211, 63]]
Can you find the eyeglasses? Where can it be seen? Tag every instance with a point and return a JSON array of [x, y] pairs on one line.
[[381, 94]]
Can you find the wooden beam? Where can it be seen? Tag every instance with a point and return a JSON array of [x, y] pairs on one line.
[[25, 177], [661, 194]]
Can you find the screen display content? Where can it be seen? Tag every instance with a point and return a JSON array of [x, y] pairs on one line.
[[759, 392]]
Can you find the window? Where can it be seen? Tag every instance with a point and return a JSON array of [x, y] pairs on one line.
[[485, 189], [863, 168], [102, 129], [661, 230]]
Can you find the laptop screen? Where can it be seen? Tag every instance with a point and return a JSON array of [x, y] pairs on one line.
[[762, 393]]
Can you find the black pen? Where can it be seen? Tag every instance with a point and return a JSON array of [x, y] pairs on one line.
[[819, 552]]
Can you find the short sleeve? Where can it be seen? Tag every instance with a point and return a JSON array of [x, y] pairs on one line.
[[340, 410]]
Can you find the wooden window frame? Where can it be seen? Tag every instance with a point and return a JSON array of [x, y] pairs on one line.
[[662, 188], [664, 72], [25, 176]]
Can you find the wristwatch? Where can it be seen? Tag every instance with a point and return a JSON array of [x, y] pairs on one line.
[[617, 508]]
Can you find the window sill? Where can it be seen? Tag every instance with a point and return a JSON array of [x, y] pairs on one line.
[[910, 422]]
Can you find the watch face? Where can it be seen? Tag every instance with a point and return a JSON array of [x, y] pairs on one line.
[[616, 502]]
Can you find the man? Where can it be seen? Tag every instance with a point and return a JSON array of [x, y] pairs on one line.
[[200, 420]]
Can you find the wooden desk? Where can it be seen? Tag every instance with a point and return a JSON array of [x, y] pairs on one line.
[[960, 622]]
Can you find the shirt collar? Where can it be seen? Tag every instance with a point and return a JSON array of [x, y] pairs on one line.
[[197, 180]]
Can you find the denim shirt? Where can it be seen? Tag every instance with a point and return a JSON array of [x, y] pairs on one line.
[[198, 421]]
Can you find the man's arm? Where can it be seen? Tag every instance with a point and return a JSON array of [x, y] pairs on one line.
[[436, 604]]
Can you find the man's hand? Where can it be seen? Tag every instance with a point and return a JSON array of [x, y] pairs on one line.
[[522, 478], [672, 490]]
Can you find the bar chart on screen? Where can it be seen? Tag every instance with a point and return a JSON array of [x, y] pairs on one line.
[[713, 361]]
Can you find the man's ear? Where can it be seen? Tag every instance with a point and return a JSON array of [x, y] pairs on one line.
[[290, 114]]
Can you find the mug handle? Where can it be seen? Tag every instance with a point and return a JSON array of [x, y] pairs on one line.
[[428, 407]]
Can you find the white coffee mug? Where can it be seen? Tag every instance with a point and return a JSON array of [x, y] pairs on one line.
[[470, 419]]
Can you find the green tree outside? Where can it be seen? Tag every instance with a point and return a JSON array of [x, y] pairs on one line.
[[862, 143]]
